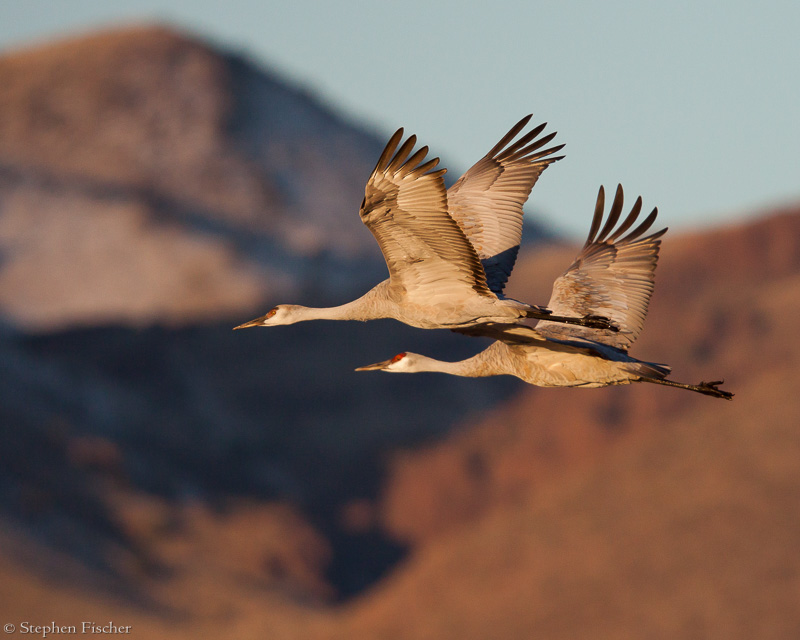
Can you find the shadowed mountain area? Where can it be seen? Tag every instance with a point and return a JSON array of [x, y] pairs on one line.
[[154, 193], [146, 177], [164, 472]]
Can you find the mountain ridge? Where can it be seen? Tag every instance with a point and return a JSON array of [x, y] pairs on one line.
[[164, 471]]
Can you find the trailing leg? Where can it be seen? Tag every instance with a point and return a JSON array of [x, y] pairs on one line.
[[706, 388], [594, 322]]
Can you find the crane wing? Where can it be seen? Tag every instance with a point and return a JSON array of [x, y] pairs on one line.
[[612, 276], [487, 200], [405, 208]]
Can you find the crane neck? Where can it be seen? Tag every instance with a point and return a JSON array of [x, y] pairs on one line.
[[474, 367], [355, 310]]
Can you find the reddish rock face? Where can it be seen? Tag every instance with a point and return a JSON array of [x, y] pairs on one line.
[[146, 177], [192, 486]]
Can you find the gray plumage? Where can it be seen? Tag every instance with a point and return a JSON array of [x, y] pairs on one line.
[[448, 253], [613, 275], [487, 200]]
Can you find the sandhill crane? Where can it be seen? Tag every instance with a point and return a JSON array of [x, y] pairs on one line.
[[613, 275], [449, 253]]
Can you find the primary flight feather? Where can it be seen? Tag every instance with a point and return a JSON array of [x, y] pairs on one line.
[[613, 275], [449, 253]]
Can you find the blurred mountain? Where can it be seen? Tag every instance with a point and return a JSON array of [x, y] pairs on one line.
[[154, 192], [625, 512], [161, 471], [148, 177], [722, 308], [145, 176], [616, 512]]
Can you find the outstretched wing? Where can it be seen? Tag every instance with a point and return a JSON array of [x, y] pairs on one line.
[[405, 208], [612, 276], [487, 200]]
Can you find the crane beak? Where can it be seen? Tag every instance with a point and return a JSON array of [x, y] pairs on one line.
[[253, 323], [375, 367]]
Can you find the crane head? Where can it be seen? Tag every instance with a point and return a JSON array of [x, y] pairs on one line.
[[401, 363], [282, 314]]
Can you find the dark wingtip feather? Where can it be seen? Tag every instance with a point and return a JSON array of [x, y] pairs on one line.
[[419, 155], [518, 152], [513, 152], [388, 150], [629, 220], [613, 214], [638, 231], [543, 154], [402, 154], [598, 215], [427, 166], [512, 133]]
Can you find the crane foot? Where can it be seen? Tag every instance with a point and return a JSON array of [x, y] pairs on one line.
[[711, 389], [598, 322]]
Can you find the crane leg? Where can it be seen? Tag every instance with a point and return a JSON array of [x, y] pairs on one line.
[[593, 322], [707, 388]]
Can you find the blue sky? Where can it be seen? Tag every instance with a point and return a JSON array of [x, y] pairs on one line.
[[693, 105]]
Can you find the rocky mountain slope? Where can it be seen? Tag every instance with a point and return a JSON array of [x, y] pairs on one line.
[[612, 513], [629, 512], [162, 471], [154, 192], [146, 177]]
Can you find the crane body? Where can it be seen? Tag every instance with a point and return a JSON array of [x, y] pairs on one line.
[[613, 275], [449, 252]]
